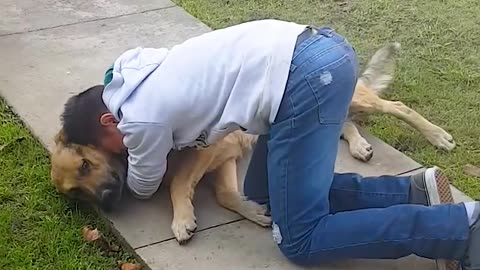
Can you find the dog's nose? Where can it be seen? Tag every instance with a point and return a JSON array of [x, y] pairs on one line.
[[116, 176], [107, 195], [107, 200]]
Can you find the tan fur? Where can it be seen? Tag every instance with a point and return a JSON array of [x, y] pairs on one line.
[[367, 100], [190, 165], [66, 160], [187, 167], [185, 170]]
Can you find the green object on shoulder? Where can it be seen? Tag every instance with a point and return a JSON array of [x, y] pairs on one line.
[[108, 76]]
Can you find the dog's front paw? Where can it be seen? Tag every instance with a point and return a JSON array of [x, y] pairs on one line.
[[361, 149], [183, 228], [255, 212], [441, 139]]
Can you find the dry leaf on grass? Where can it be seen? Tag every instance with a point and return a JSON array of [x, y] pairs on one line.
[[472, 170], [90, 235], [95, 237], [130, 266]]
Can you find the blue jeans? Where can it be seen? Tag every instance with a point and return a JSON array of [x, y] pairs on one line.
[[318, 215]]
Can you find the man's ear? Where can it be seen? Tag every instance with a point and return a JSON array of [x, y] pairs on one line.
[[107, 119], [60, 138]]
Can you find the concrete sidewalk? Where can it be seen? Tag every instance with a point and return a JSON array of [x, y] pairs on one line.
[[51, 49]]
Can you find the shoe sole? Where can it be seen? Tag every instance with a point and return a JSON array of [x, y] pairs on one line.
[[441, 194], [441, 186]]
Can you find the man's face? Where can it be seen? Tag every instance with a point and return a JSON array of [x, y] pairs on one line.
[[112, 139]]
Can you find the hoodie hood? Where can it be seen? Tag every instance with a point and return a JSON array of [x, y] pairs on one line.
[[127, 73]]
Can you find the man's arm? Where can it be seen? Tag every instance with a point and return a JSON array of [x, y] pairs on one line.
[[148, 146]]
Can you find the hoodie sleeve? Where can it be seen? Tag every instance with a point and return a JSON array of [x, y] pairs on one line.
[[148, 146]]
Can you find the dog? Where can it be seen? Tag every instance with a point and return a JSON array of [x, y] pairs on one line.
[[86, 173]]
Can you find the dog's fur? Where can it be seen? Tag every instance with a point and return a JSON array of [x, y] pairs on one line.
[[367, 100], [86, 173], [82, 172]]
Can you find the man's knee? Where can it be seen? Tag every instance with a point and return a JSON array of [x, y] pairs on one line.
[[297, 251], [295, 242], [297, 255]]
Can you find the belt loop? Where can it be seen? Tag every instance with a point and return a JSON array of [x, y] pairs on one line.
[[326, 31]]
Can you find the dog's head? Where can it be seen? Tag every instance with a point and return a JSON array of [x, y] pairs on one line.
[[85, 173]]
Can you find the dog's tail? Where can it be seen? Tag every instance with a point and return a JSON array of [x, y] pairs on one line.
[[378, 73]]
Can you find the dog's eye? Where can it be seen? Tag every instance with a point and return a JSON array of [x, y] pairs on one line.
[[85, 168]]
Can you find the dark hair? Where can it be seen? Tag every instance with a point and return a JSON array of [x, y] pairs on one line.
[[81, 116]]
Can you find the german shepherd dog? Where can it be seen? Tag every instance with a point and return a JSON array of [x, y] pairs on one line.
[[86, 173]]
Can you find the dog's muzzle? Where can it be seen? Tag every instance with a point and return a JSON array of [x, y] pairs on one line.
[[109, 196]]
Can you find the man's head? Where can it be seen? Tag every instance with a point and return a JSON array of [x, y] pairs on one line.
[[87, 121]]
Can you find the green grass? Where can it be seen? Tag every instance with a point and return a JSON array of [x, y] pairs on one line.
[[438, 70], [38, 228]]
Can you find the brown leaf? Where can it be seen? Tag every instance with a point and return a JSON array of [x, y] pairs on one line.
[[95, 237], [130, 266], [472, 170], [90, 235]]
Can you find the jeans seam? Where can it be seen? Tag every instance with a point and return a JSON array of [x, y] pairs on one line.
[[294, 111], [385, 241], [334, 63], [368, 192], [286, 177], [310, 59], [304, 45]]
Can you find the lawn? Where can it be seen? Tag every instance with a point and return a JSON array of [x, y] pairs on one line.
[[438, 70], [38, 228]]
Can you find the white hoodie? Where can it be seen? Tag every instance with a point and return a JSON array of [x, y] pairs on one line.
[[198, 92]]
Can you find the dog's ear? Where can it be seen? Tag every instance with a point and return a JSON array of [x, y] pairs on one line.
[[61, 137]]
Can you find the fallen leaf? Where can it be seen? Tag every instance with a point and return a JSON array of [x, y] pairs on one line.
[[95, 237], [472, 170], [130, 266], [91, 235]]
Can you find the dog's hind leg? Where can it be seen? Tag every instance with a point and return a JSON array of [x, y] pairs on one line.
[[374, 81], [434, 134], [228, 196], [359, 147]]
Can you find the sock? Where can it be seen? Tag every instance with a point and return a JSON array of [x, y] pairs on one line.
[[473, 211]]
